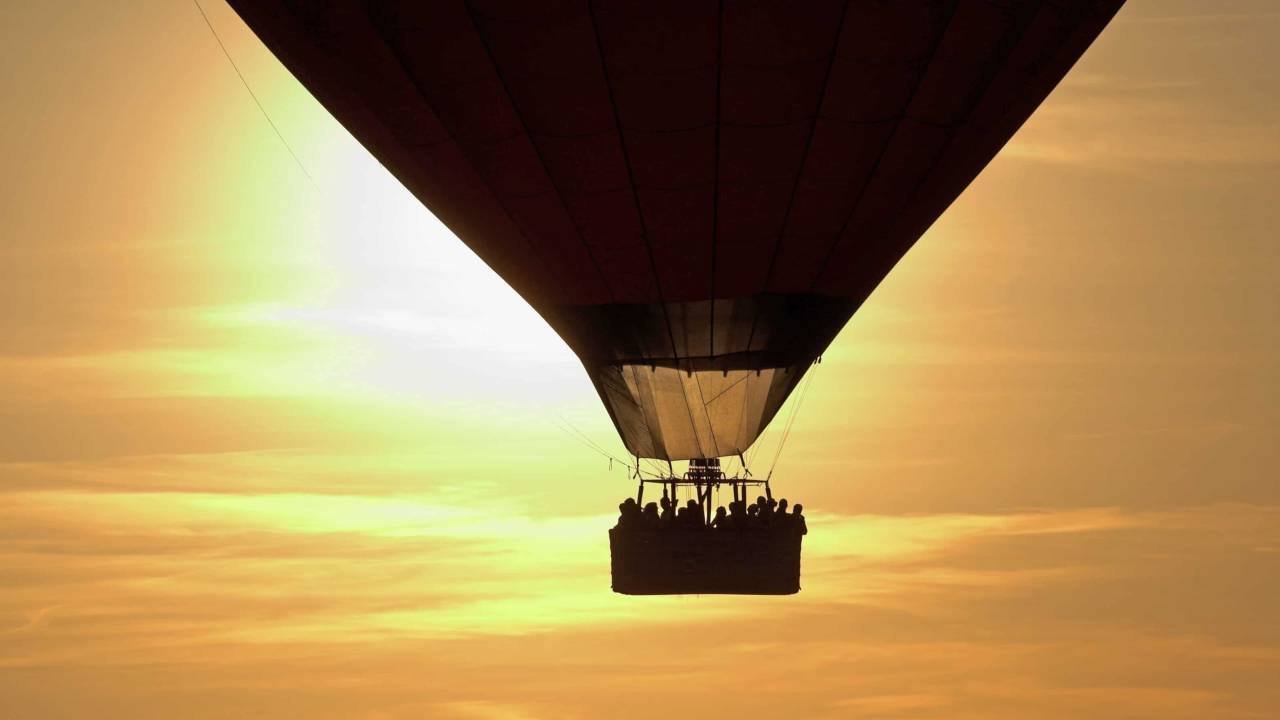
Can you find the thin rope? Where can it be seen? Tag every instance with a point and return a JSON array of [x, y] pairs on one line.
[[795, 411], [731, 386], [706, 411], [753, 452], [591, 443], [274, 128], [571, 429]]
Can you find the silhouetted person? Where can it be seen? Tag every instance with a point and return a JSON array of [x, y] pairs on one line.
[[668, 515], [721, 520], [693, 518], [753, 517], [737, 515], [780, 518], [797, 520], [649, 518], [628, 514]]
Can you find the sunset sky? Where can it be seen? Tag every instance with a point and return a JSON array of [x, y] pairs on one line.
[[271, 444]]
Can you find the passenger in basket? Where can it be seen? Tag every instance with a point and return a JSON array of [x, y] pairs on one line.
[[649, 519], [693, 517], [668, 515], [628, 514], [797, 520], [721, 520]]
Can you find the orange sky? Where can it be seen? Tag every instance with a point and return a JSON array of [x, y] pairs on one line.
[[276, 450]]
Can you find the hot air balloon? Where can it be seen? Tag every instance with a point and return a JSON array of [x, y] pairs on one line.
[[696, 195]]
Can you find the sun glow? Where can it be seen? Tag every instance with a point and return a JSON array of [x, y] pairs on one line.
[[422, 316]]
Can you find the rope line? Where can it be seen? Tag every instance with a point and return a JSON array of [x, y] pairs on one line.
[[795, 411], [571, 429], [274, 128]]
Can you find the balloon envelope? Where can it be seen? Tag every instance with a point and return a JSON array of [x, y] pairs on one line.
[[695, 195]]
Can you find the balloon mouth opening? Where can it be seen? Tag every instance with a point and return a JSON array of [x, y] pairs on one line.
[[676, 411], [751, 361]]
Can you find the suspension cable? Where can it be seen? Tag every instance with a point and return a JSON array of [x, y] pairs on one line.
[[261, 108], [590, 444], [795, 411]]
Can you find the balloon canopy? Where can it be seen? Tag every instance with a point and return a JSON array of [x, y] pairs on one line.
[[696, 195]]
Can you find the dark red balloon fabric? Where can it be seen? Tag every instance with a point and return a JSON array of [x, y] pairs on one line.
[[697, 195]]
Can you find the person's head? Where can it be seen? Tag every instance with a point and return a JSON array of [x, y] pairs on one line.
[[692, 504], [666, 502], [782, 505], [799, 509], [760, 501], [772, 503], [651, 507], [753, 510], [720, 512], [735, 507]]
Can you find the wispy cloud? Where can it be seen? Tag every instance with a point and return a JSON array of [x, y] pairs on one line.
[[1135, 124], [508, 609]]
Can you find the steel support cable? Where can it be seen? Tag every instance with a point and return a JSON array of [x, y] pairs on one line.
[[596, 448], [591, 443], [652, 467], [742, 412], [262, 109], [633, 467], [588, 441], [795, 411], [706, 410], [569, 429], [731, 386], [754, 451]]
